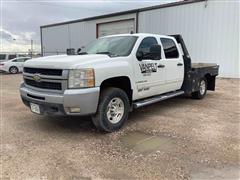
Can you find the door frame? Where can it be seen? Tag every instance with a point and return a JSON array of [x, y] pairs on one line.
[[116, 21]]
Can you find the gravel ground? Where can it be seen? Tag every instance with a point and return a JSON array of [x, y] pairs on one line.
[[180, 138]]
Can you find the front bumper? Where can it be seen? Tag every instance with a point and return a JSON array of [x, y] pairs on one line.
[[60, 103]]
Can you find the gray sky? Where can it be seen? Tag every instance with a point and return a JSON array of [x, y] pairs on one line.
[[21, 20]]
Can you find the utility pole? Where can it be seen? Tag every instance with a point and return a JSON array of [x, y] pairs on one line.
[[31, 48]]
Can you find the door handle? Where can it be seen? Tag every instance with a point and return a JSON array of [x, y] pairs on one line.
[[179, 64], [161, 66]]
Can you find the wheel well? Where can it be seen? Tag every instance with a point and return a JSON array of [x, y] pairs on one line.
[[121, 82], [12, 67], [210, 81]]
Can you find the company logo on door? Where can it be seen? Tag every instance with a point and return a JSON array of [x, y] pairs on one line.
[[148, 67]]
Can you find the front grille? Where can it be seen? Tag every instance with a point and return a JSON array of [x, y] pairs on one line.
[[44, 84], [50, 72]]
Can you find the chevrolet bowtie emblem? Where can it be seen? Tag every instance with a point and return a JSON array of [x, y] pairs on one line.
[[36, 77]]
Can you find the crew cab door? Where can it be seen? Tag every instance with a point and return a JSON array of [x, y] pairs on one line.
[[149, 73], [174, 65]]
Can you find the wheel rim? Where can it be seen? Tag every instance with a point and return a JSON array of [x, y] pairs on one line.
[[13, 70], [115, 110], [202, 87]]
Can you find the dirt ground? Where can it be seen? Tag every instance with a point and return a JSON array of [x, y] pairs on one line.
[[180, 138]]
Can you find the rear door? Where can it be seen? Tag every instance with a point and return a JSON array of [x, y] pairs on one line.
[[149, 74], [174, 65]]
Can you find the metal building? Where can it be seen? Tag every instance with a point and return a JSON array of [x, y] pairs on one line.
[[210, 29]]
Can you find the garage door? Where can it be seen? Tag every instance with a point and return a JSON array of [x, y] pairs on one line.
[[116, 27]]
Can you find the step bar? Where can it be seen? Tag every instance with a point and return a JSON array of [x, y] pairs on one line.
[[155, 99]]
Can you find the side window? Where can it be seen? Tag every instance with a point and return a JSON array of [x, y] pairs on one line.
[[170, 48], [14, 60], [146, 44], [2, 56], [12, 56]]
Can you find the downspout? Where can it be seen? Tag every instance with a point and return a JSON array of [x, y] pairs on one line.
[[41, 41], [137, 21], [69, 37]]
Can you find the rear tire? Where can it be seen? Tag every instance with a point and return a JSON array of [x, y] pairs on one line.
[[13, 70], [200, 94], [112, 110]]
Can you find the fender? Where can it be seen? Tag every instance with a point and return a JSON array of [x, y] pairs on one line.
[[115, 68]]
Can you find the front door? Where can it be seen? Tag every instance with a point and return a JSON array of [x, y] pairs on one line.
[[149, 74]]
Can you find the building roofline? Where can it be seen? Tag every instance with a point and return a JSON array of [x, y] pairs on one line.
[[126, 12]]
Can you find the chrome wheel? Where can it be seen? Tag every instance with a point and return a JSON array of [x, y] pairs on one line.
[[202, 87], [115, 110], [13, 70]]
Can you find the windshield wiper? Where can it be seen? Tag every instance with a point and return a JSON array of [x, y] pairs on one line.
[[105, 52]]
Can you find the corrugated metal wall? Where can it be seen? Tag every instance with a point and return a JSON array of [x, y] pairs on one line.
[[210, 30], [56, 39]]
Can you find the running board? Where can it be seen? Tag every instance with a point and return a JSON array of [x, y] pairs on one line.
[[155, 99]]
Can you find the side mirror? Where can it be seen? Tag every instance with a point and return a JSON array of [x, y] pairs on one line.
[[79, 50], [155, 52], [140, 55]]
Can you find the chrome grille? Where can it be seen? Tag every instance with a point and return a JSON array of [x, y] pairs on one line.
[[47, 79], [44, 84], [50, 72]]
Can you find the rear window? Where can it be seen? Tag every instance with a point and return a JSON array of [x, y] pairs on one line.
[[170, 48], [18, 60]]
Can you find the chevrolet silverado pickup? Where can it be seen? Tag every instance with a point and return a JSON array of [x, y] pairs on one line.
[[114, 75]]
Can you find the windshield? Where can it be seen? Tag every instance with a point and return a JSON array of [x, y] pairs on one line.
[[113, 46]]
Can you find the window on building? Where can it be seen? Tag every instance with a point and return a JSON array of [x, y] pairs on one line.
[[170, 48]]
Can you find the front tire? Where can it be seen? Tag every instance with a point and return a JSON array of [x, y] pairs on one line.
[[200, 94], [13, 70], [112, 110]]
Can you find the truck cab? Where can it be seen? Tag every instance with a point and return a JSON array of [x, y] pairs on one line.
[[114, 75], [160, 74]]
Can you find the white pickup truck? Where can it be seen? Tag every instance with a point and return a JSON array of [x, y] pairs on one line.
[[114, 75]]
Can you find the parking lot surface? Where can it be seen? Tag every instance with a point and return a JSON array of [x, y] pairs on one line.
[[179, 138]]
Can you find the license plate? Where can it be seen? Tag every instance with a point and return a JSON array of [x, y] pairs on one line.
[[35, 108]]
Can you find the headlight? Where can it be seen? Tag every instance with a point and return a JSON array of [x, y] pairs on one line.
[[81, 78]]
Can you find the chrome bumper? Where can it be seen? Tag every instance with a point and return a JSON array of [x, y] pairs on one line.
[[60, 103]]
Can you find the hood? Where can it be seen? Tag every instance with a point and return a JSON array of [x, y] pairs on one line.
[[66, 61]]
